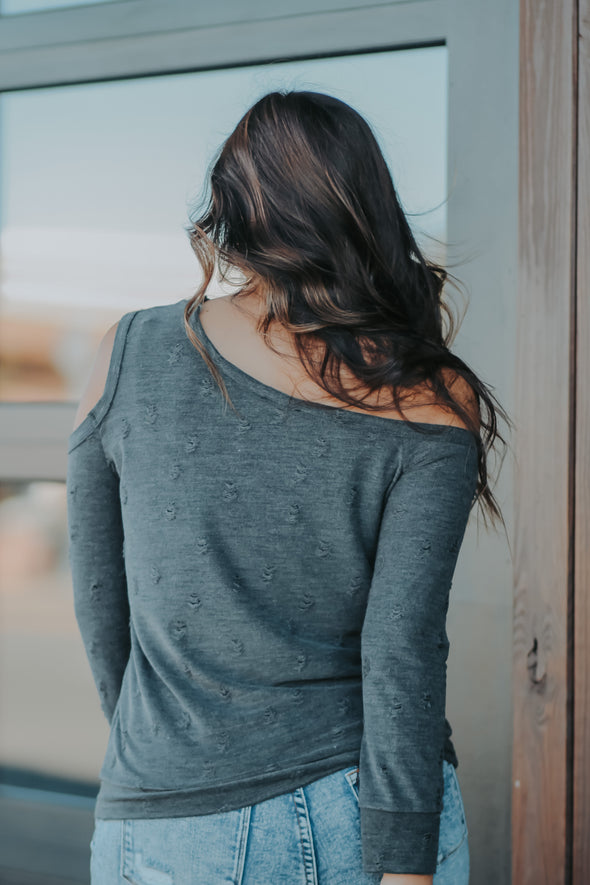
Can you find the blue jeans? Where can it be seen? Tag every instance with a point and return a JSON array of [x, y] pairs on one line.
[[310, 836]]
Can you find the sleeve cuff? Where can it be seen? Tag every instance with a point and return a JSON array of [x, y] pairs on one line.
[[399, 842]]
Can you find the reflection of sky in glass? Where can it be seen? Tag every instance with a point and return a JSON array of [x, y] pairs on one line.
[[97, 179], [14, 7]]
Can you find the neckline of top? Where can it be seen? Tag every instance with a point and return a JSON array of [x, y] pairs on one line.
[[281, 398]]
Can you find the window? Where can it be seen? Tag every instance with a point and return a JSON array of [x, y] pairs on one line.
[[97, 180]]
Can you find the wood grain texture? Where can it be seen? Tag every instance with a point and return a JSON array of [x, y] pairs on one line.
[[544, 409], [581, 621]]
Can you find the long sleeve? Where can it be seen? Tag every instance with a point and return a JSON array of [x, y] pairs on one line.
[[404, 649], [97, 564]]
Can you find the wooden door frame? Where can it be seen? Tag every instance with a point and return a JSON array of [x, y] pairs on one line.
[[551, 749]]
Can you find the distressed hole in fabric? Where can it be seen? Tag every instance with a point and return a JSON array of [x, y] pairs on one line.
[[230, 491], [306, 603], [300, 662], [207, 387], [178, 629], [192, 443], [395, 612], [293, 513], [268, 572], [297, 696], [426, 700], [396, 707], [270, 716], [344, 705], [324, 549], [354, 585], [223, 741], [184, 720], [175, 354], [301, 471], [320, 447], [175, 471]]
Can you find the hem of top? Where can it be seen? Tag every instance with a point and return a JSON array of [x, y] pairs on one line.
[[273, 394], [195, 801], [97, 413]]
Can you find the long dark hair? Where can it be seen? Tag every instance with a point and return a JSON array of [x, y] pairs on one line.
[[303, 204]]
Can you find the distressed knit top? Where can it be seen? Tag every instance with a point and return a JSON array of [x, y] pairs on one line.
[[262, 596]]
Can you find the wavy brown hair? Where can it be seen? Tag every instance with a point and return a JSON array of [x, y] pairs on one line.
[[302, 202]]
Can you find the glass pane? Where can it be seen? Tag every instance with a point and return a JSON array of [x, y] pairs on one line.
[[15, 7], [51, 723], [97, 181]]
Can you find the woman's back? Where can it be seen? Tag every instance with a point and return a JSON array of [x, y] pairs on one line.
[[262, 596]]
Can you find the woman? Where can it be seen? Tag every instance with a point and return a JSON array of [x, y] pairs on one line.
[[262, 589]]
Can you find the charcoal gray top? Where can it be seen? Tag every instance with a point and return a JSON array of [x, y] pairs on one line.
[[262, 597]]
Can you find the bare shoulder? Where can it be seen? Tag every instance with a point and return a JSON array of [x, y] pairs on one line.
[[97, 378], [463, 393], [422, 407]]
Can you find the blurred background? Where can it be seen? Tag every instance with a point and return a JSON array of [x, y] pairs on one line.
[[110, 113]]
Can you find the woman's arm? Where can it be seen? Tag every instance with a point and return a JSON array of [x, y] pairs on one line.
[[404, 648], [95, 548]]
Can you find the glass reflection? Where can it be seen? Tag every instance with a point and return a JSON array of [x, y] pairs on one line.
[[16, 7], [97, 180], [50, 718]]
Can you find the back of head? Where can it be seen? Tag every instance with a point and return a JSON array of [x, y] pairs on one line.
[[302, 202]]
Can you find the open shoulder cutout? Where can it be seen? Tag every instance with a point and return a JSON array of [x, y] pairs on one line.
[[96, 383], [102, 381]]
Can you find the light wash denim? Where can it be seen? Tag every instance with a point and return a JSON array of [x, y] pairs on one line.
[[310, 836]]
